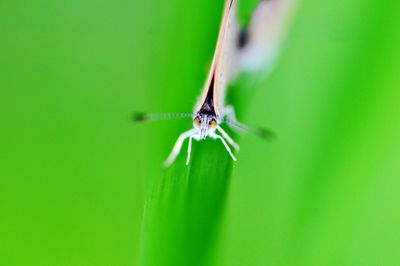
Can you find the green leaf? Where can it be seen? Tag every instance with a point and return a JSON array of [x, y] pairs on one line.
[[184, 210]]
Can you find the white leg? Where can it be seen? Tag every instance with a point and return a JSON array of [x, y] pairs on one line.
[[189, 150], [178, 145], [215, 136], [228, 138]]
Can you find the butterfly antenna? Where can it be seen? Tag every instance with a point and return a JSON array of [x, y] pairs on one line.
[[263, 133], [144, 117]]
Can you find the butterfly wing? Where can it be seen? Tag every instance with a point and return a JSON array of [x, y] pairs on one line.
[[260, 41], [221, 68], [226, 63], [258, 46]]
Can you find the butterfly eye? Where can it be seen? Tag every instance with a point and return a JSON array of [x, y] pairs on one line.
[[212, 123], [197, 121]]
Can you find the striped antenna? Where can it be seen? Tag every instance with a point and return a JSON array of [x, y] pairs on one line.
[[263, 133], [142, 117]]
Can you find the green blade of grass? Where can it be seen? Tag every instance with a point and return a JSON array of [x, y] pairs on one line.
[[185, 206], [184, 209]]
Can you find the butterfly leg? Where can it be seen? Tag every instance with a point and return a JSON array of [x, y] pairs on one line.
[[189, 151], [216, 136], [178, 146], [228, 138]]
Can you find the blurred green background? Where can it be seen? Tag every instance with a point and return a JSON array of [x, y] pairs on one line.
[[78, 179]]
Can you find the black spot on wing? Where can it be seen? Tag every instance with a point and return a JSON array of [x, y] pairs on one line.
[[243, 38]]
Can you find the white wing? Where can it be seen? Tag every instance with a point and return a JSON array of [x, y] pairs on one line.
[[264, 34], [222, 68], [262, 38], [227, 67]]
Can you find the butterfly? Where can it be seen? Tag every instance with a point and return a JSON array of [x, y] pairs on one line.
[[237, 49]]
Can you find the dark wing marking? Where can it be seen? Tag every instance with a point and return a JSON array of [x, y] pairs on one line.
[[208, 107]]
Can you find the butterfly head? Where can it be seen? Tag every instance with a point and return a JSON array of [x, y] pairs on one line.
[[205, 124]]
